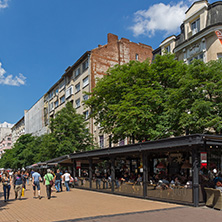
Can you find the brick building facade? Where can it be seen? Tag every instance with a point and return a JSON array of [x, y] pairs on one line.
[[81, 77]]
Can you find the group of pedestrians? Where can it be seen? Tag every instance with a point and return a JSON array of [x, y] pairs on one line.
[[19, 180]]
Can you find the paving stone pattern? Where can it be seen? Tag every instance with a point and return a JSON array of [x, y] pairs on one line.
[[82, 205]]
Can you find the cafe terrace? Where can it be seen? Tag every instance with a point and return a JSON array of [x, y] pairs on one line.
[[178, 169]]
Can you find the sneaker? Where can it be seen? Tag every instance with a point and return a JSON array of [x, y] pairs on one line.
[[40, 197]]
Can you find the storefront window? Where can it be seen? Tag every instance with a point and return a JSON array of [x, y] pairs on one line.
[[170, 176], [129, 175], [101, 175], [210, 174], [82, 173]]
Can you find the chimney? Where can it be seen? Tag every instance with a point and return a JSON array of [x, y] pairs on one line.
[[112, 38]]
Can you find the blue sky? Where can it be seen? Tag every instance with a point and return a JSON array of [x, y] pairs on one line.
[[39, 39]]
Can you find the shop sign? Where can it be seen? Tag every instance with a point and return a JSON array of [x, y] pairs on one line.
[[219, 35], [78, 164], [203, 160]]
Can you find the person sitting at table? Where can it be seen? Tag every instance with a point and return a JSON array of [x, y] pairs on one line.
[[105, 181], [125, 178], [218, 185], [132, 177], [139, 180]]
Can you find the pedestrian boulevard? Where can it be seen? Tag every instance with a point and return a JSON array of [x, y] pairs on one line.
[[83, 205]]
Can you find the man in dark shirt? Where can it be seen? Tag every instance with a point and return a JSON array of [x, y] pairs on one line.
[[18, 185]]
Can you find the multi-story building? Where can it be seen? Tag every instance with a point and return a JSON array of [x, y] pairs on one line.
[[34, 119], [5, 129], [5, 144], [201, 34], [18, 130], [81, 77]]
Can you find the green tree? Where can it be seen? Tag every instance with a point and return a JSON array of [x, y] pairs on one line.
[[196, 104], [24, 152], [69, 133], [130, 100]]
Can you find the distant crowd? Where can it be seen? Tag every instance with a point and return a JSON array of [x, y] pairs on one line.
[[20, 179]]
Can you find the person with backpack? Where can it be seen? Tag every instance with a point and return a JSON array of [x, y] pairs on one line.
[[48, 178]]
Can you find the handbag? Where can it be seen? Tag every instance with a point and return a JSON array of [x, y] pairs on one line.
[[50, 181]]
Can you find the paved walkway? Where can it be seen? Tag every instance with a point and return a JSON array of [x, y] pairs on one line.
[[82, 205]]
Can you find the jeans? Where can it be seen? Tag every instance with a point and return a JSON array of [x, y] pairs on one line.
[[67, 185], [57, 185], [98, 183], [6, 189], [61, 185], [48, 191]]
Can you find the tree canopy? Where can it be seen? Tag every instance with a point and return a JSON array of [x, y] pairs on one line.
[[149, 101], [68, 134]]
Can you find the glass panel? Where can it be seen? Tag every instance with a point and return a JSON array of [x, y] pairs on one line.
[[210, 175], [129, 175], [170, 176], [101, 175], [82, 171]]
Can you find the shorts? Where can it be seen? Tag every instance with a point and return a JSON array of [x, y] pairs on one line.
[[36, 184]]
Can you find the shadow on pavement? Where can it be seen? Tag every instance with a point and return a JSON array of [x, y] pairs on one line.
[[103, 217]]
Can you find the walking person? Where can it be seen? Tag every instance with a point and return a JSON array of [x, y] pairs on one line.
[[18, 183], [57, 180], [48, 178], [66, 179], [36, 178], [61, 181], [27, 175], [6, 181]]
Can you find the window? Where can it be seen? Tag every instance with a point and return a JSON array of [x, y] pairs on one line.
[[121, 143], [9, 139], [195, 26], [62, 85], [77, 86], [9, 144], [85, 82], [167, 49], [219, 55], [56, 91], [85, 65], [101, 141], [137, 57], [56, 103], [51, 94], [50, 106], [200, 57], [86, 114], [77, 72], [77, 103], [69, 91], [85, 97], [62, 99]]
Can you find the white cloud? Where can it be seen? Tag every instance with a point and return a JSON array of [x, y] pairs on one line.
[[159, 17], [9, 80], [3, 3]]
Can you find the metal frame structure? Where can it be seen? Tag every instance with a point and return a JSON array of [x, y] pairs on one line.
[[196, 143]]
